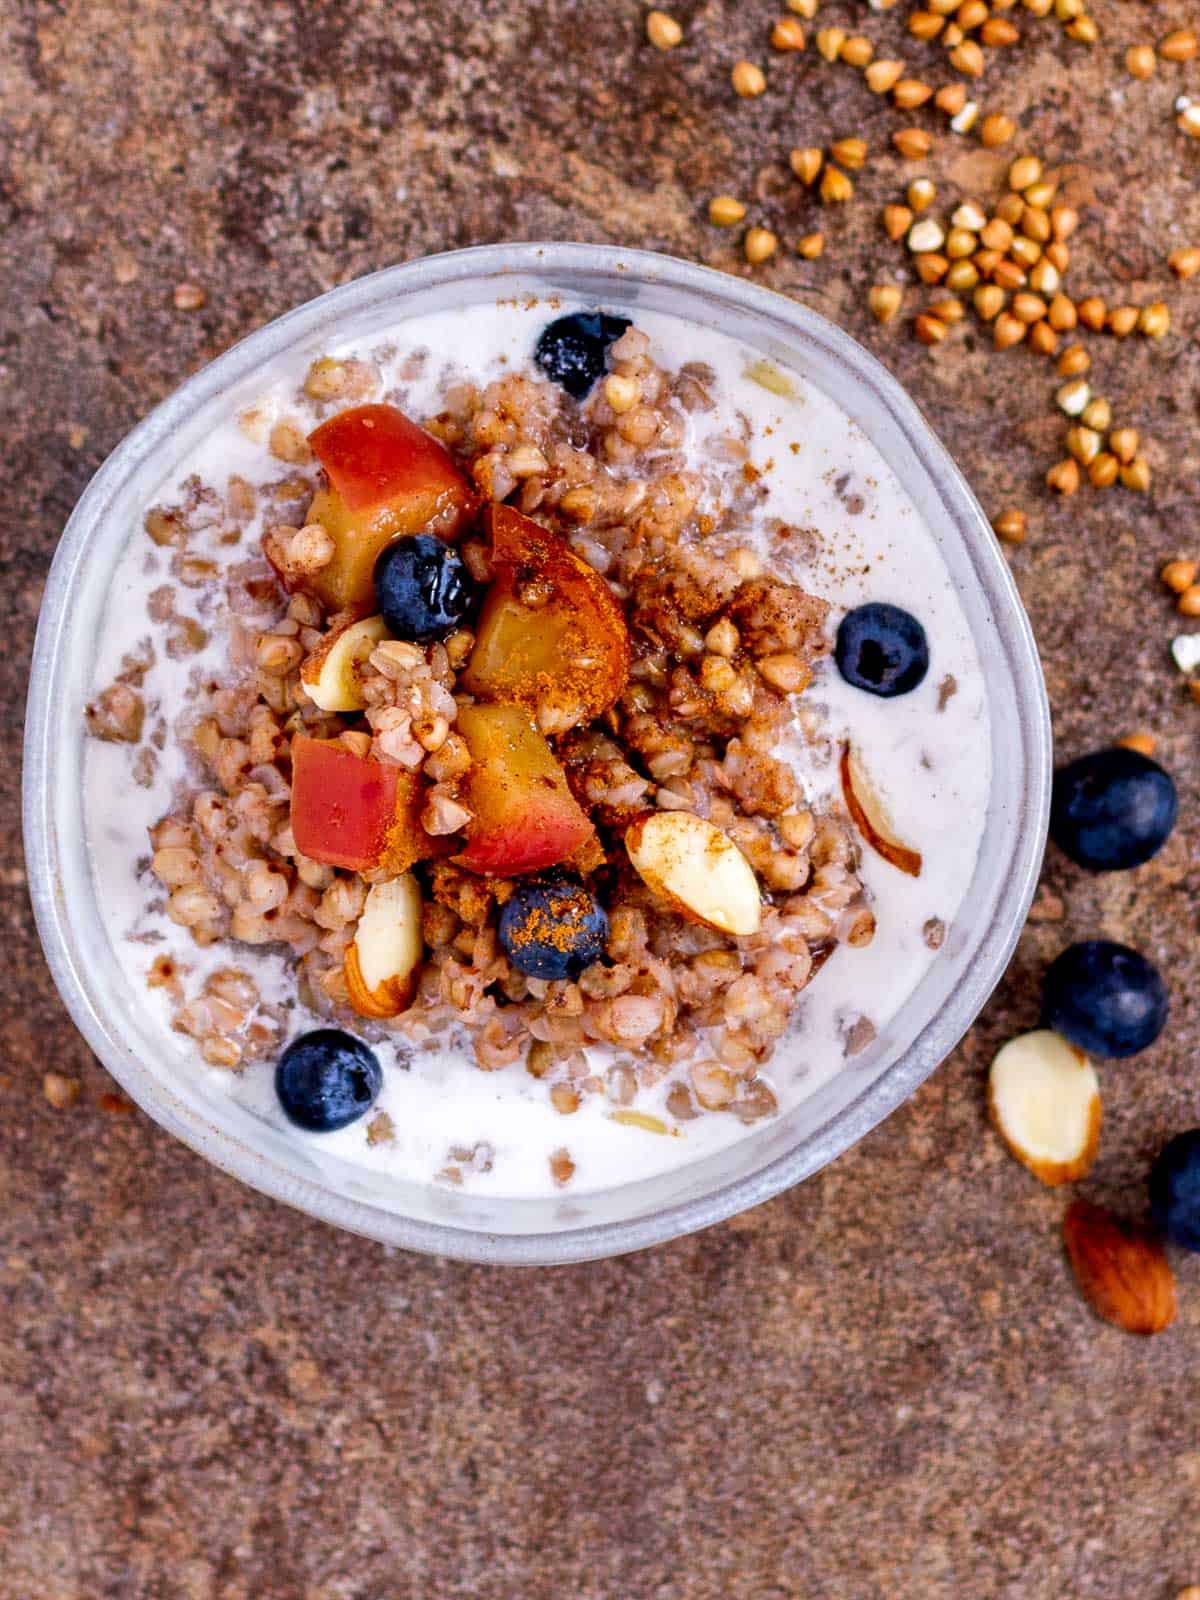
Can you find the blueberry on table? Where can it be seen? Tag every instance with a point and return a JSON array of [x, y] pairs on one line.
[[882, 649], [573, 350], [1112, 809], [422, 588], [326, 1080], [1175, 1190], [1105, 998], [552, 928]]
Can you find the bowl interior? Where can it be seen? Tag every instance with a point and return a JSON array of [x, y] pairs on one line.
[[155, 1070]]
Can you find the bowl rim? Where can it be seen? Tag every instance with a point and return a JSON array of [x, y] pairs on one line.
[[844, 1128]]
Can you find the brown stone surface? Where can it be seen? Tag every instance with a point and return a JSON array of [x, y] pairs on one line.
[[880, 1384]]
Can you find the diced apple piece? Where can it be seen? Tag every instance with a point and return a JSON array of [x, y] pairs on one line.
[[342, 803], [350, 811], [870, 816], [524, 815], [332, 675], [1044, 1100], [383, 961], [387, 478], [374, 455], [551, 635], [697, 869]]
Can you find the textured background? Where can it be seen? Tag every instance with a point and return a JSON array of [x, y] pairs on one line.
[[880, 1384]]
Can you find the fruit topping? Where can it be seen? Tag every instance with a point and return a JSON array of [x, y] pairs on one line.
[[697, 869], [422, 588], [1112, 809], [387, 479], [1105, 998], [374, 456], [882, 649], [551, 635], [351, 811], [573, 350], [552, 929], [326, 1080], [871, 818], [1044, 1099], [524, 817], [1122, 1272], [382, 962], [1175, 1190], [332, 675]]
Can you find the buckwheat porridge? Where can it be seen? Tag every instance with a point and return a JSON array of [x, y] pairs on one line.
[[533, 750]]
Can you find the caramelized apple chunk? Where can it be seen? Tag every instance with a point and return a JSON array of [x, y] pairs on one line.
[[387, 478], [552, 636], [351, 811], [525, 817]]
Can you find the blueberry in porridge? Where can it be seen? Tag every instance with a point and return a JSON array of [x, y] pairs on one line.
[[327, 1079], [573, 350], [552, 929], [534, 748], [881, 649]]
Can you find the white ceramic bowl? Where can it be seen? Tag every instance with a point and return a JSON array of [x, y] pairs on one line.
[[153, 1069]]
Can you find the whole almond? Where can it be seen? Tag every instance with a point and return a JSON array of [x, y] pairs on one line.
[[1122, 1272]]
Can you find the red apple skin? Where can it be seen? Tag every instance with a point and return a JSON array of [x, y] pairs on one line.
[[350, 811], [387, 479], [573, 649], [374, 454], [525, 816]]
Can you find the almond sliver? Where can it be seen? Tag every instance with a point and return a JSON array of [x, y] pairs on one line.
[[332, 677], [1044, 1099], [870, 815], [697, 869], [382, 962]]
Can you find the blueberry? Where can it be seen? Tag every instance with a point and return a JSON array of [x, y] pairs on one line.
[[552, 928], [422, 588], [1112, 809], [1175, 1190], [881, 649], [1105, 998], [327, 1079], [573, 350]]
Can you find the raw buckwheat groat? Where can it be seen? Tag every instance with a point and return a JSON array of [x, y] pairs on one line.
[[545, 734]]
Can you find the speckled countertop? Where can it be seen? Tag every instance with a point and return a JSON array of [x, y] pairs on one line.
[[880, 1384]]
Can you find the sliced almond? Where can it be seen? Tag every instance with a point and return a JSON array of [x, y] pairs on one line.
[[1122, 1272], [697, 869], [382, 963], [643, 1119], [1044, 1100], [332, 675], [870, 816]]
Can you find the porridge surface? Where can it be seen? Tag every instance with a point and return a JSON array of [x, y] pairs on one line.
[[927, 752]]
